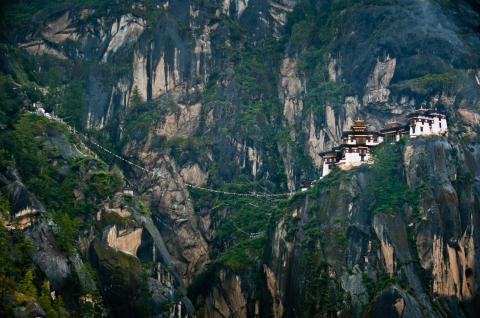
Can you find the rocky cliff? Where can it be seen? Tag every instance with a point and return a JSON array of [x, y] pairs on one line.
[[242, 96]]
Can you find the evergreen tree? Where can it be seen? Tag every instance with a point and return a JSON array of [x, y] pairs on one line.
[[73, 107], [135, 98], [26, 285]]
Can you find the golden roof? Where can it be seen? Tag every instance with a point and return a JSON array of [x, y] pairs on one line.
[[359, 125]]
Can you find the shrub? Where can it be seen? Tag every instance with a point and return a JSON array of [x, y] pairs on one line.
[[430, 83], [102, 184]]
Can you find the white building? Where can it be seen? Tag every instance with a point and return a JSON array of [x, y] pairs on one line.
[[355, 149], [425, 122], [330, 160], [358, 143]]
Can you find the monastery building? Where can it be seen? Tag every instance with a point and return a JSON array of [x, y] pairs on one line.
[[358, 143]]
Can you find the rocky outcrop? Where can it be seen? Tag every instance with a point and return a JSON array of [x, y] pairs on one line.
[[40, 48], [445, 235], [47, 255], [126, 241], [140, 81], [394, 302], [248, 157], [277, 305], [127, 29], [226, 299], [30, 309], [172, 210], [377, 87], [194, 175], [396, 249], [182, 123], [290, 88]]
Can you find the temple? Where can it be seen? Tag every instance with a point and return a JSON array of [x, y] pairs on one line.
[[358, 143], [425, 122], [394, 131], [355, 148]]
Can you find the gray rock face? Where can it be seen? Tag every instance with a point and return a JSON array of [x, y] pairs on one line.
[[21, 200], [394, 302], [395, 265], [47, 255], [31, 310], [211, 110]]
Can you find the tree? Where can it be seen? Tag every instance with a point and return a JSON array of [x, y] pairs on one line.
[[136, 98], [26, 285], [73, 107], [67, 229], [4, 206]]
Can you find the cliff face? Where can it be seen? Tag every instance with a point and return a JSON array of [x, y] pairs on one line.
[[337, 253], [426, 250], [243, 96], [95, 260]]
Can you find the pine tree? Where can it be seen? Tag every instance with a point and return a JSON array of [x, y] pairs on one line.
[[26, 285], [135, 98]]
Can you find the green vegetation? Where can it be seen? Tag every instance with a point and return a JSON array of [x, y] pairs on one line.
[[243, 223], [311, 29], [324, 296], [387, 190], [10, 102], [26, 285], [431, 83], [33, 145], [102, 184], [141, 118], [53, 308], [4, 207], [66, 231], [18, 278], [73, 106], [377, 284], [242, 255], [325, 93], [188, 149]]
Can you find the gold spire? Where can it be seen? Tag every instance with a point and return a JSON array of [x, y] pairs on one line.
[[422, 110], [359, 125]]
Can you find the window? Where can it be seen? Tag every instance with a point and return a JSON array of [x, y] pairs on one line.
[[421, 129], [440, 124]]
